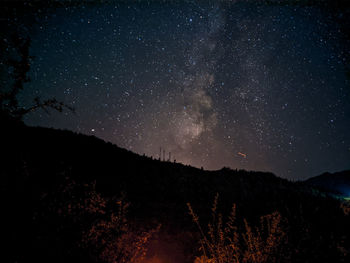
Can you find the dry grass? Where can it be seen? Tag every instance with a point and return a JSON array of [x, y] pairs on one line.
[[224, 243]]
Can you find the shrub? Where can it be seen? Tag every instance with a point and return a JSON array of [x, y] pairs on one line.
[[106, 233]]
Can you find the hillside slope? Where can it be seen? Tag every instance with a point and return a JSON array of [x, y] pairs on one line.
[[39, 162], [337, 183]]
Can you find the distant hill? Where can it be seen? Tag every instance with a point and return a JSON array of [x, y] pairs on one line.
[[337, 183], [48, 154], [40, 165]]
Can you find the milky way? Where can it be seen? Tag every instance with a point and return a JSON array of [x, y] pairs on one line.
[[239, 84]]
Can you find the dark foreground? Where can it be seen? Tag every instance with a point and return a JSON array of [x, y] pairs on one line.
[[73, 198]]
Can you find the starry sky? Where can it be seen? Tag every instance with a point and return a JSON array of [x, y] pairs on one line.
[[242, 84]]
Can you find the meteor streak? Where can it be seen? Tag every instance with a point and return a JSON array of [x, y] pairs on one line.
[[242, 154]]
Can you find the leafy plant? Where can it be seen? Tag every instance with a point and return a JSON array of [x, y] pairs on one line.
[[106, 233]]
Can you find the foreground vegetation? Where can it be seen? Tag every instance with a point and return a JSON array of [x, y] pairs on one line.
[[227, 243], [63, 200]]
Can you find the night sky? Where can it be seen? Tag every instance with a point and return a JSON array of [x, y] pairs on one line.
[[236, 84]]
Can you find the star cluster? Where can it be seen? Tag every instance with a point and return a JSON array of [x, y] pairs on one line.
[[239, 84]]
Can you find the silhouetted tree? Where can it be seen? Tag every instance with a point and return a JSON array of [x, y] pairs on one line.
[[17, 61]]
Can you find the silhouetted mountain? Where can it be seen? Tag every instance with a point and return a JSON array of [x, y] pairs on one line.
[[44, 171], [337, 183]]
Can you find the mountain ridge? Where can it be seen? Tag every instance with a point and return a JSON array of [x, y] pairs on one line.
[[39, 161], [337, 183]]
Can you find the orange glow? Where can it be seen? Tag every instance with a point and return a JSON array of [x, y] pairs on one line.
[[154, 259]]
